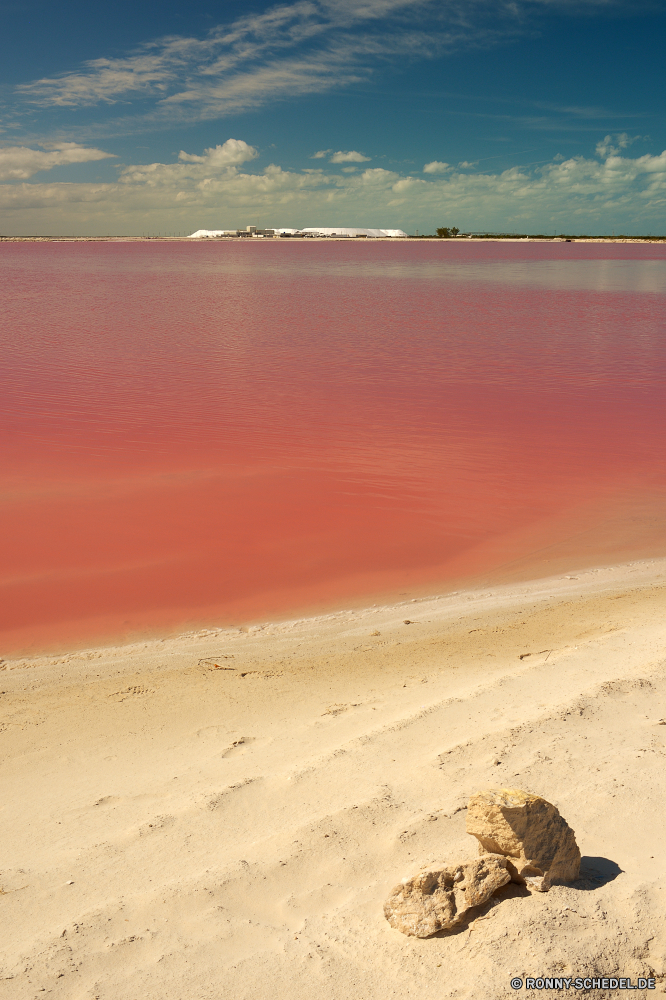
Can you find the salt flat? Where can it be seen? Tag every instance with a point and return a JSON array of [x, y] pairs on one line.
[[222, 814]]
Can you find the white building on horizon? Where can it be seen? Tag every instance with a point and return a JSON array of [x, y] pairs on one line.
[[314, 231], [375, 234]]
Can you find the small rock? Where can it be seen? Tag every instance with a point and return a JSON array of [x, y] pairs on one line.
[[438, 899], [529, 831]]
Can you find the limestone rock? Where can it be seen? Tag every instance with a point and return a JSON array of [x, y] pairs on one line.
[[527, 830], [436, 900]]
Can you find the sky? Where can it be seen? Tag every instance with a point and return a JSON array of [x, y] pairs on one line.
[[529, 116]]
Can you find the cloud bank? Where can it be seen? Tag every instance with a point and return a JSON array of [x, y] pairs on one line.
[[216, 190]]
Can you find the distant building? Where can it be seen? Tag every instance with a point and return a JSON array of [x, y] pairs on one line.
[[209, 234], [373, 234], [313, 232]]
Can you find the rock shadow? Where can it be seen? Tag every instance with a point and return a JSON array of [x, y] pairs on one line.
[[509, 891], [595, 872]]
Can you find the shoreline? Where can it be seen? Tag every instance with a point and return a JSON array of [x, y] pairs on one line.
[[563, 584], [227, 810], [326, 239]]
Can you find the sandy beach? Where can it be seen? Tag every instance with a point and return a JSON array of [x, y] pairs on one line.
[[222, 814]]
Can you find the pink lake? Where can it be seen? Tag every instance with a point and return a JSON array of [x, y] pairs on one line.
[[224, 432]]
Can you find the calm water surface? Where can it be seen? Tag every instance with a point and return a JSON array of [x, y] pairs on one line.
[[223, 432]]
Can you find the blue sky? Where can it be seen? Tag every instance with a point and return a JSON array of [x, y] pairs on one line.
[[528, 115]]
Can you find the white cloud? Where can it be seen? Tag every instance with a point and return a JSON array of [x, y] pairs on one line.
[[350, 157], [436, 167], [320, 154], [215, 189], [406, 184], [222, 159], [378, 176], [301, 47], [22, 162], [103, 81], [612, 144], [467, 165]]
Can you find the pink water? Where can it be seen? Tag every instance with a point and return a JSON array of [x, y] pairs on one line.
[[214, 433]]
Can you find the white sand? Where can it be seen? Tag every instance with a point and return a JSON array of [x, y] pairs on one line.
[[172, 829]]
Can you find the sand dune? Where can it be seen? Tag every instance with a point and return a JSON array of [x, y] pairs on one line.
[[223, 814]]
